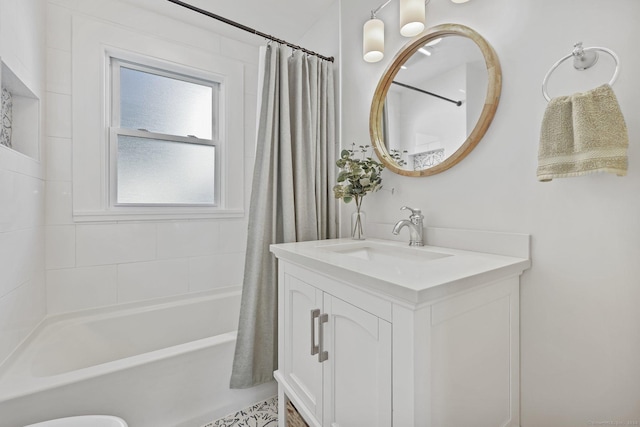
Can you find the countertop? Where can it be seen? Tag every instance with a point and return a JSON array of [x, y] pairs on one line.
[[455, 271]]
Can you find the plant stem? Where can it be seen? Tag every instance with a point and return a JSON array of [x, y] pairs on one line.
[[358, 231]]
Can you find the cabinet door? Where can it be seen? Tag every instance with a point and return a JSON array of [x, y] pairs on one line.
[[302, 371], [357, 375]]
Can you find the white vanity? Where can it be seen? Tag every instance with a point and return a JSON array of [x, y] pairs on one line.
[[376, 333]]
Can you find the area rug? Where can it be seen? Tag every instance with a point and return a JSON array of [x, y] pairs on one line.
[[262, 414]]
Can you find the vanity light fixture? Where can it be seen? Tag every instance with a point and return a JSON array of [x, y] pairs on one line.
[[373, 41], [412, 23], [412, 17], [412, 20]]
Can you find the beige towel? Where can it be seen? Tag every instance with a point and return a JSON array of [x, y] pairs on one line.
[[583, 133]]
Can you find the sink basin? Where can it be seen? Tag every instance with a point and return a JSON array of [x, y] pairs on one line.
[[386, 254]]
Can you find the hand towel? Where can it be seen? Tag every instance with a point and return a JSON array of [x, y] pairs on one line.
[[583, 133]]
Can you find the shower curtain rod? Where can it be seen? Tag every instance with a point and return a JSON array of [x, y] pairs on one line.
[[458, 103], [248, 29]]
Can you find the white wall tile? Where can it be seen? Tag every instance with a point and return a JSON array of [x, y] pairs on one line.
[[215, 271], [251, 79], [11, 160], [21, 255], [58, 203], [80, 288], [233, 235], [60, 243], [249, 163], [155, 279], [58, 151], [58, 27], [21, 201], [153, 259], [250, 125], [58, 71], [100, 244], [157, 25], [237, 50], [20, 312], [8, 210], [22, 29], [178, 239], [22, 190], [30, 193], [58, 115]]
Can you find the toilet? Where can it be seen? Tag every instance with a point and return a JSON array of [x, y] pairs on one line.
[[83, 421]]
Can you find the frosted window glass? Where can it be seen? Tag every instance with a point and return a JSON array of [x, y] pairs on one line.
[[152, 171], [165, 105]]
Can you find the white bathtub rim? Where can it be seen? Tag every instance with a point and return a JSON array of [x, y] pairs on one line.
[[77, 316], [15, 370], [31, 385]]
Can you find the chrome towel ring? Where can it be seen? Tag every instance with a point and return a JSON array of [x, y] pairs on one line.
[[583, 58]]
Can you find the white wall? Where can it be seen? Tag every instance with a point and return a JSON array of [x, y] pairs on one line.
[[580, 325], [98, 264], [22, 279]]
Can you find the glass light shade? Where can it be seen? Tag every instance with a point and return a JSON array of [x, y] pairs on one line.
[[412, 14], [373, 40], [459, 1]]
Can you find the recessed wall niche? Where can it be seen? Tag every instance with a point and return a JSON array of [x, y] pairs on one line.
[[20, 114]]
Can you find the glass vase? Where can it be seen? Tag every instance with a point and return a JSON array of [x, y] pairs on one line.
[[358, 222]]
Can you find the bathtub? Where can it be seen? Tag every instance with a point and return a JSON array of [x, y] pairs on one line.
[[161, 364]]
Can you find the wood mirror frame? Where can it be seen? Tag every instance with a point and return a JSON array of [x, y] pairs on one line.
[[494, 88]]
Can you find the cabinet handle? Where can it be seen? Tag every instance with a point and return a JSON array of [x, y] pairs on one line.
[[314, 315], [322, 355]]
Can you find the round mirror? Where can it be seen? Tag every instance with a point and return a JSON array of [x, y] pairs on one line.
[[435, 101]]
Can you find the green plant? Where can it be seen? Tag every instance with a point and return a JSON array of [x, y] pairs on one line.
[[359, 175], [396, 156]]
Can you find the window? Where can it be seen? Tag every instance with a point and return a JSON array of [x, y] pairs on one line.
[[147, 167], [164, 137]]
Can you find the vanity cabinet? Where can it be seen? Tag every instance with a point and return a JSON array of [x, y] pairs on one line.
[[434, 346], [336, 357]]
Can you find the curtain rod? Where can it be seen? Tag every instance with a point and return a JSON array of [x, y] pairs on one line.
[[248, 29], [458, 103]]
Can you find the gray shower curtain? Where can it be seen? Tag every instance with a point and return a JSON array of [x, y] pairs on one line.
[[291, 196]]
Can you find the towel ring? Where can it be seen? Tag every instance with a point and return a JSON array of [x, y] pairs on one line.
[[583, 58]]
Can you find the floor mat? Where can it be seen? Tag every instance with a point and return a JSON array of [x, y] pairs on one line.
[[262, 414]]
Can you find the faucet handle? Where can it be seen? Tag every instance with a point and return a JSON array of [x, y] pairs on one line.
[[414, 212]]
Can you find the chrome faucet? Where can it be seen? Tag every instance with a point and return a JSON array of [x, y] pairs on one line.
[[415, 226]]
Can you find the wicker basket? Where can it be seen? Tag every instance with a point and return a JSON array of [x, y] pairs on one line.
[[293, 417]]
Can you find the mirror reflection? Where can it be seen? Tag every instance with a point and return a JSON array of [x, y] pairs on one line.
[[435, 101]]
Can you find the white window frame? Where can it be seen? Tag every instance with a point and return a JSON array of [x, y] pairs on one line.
[[93, 43], [217, 131]]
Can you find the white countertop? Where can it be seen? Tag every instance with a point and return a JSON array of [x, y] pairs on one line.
[[421, 282]]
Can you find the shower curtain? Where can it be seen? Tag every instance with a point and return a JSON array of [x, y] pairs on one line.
[[291, 195]]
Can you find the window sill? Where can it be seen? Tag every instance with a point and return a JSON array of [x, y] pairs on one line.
[[155, 215]]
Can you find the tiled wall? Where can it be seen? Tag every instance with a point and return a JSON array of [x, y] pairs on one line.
[[22, 276], [94, 264]]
